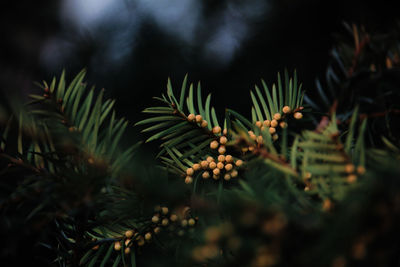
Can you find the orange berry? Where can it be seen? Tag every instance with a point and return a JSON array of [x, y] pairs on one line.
[[286, 109], [234, 173], [239, 162], [210, 159], [220, 165], [189, 171], [191, 117], [283, 124], [267, 123], [127, 250], [272, 130], [199, 118], [221, 158], [274, 123], [277, 116], [223, 140], [259, 124], [229, 158], [228, 167], [216, 130], [188, 180], [216, 171], [206, 175], [227, 176], [214, 144], [221, 150], [204, 164], [212, 165], [196, 166], [298, 115], [204, 124]]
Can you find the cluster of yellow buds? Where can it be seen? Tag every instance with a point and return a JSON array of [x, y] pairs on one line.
[[162, 218], [277, 120], [197, 119], [224, 166], [353, 172]]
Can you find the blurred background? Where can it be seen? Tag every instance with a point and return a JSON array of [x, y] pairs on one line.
[[131, 47]]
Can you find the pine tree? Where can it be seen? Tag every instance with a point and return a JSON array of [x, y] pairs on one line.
[[309, 180]]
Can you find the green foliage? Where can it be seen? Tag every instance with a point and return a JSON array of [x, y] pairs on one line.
[[273, 190]]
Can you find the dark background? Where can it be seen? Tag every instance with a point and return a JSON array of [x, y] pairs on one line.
[[131, 47]]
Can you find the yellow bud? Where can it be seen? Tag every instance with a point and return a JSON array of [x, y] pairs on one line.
[[259, 139], [229, 158], [147, 236], [220, 165], [127, 250], [352, 178], [204, 124], [274, 123], [298, 115], [212, 165], [205, 175], [221, 158], [184, 223], [157, 230], [140, 241], [360, 170], [225, 131], [283, 124], [216, 130], [215, 177], [221, 150], [234, 173], [263, 128], [214, 144], [173, 217], [210, 159], [196, 167], [188, 180], [191, 117], [199, 118], [251, 148], [117, 246], [164, 210], [286, 109], [165, 222], [127, 242], [277, 116], [259, 124], [239, 162], [204, 164], [216, 171], [349, 168], [275, 137], [189, 171], [245, 149], [228, 167], [272, 130], [223, 140], [155, 219], [227, 176], [267, 123], [191, 222], [129, 233]]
